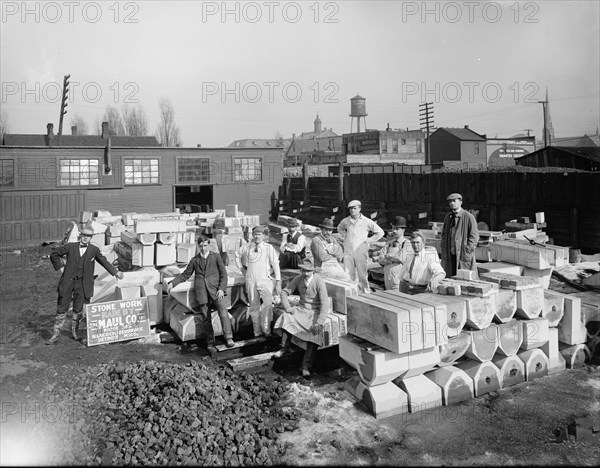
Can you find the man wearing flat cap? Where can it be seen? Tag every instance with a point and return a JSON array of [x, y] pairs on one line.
[[306, 320], [459, 238], [328, 253], [76, 262], [355, 229], [293, 246], [391, 256]]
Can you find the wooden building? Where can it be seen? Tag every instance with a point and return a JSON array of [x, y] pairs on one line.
[[43, 187], [460, 147], [384, 146], [586, 158]]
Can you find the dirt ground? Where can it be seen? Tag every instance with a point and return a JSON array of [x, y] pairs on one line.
[[549, 421]]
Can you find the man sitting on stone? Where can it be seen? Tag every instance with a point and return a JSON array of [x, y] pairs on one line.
[[390, 257], [306, 320], [422, 270], [328, 253], [293, 247]]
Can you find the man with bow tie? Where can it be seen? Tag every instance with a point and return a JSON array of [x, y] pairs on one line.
[[459, 238], [421, 271], [77, 280]]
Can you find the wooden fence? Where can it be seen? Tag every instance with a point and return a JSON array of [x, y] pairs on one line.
[[570, 201]]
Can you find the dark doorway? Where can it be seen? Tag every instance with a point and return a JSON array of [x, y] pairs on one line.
[[194, 198]]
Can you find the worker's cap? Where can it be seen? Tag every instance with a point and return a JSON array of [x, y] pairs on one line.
[[256, 229], [293, 223], [454, 196], [353, 203], [399, 222], [416, 235], [327, 224], [87, 231], [307, 264]]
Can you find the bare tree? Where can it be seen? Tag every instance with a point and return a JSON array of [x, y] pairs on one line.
[[79, 122], [115, 124], [167, 132], [134, 120], [4, 127]]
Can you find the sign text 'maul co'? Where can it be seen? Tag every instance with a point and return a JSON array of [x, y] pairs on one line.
[[122, 320]]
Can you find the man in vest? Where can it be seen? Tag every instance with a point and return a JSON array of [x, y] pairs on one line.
[[459, 238], [77, 280], [293, 247]]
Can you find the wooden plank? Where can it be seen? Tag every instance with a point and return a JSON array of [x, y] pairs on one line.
[[259, 361]]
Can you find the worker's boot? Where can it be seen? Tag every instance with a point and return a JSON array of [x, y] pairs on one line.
[[75, 325], [59, 321], [286, 345]]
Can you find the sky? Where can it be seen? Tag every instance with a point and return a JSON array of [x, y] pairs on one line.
[[236, 70]]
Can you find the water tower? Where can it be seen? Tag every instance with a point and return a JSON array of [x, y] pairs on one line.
[[358, 109]]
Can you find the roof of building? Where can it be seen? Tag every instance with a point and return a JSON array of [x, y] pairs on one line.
[[584, 140], [309, 145], [587, 152], [259, 143], [15, 139], [465, 134]]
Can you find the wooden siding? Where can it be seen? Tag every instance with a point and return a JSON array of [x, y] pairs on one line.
[[570, 201], [28, 217], [25, 206]]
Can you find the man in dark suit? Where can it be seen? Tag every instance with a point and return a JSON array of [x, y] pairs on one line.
[[210, 283], [77, 281]]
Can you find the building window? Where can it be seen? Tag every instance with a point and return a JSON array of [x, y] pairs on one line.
[[78, 172], [141, 171], [395, 145], [7, 173], [384, 145], [476, 147], [419, 145], [403, 141], [191, 170], [247, 169]]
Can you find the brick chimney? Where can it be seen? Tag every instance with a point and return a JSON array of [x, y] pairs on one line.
[[105, 134], [467, 127], [50, 129], [73, 129]]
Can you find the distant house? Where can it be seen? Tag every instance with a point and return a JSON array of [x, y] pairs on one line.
[[47, 180], [577, 157], [385, 146], [458, 147]]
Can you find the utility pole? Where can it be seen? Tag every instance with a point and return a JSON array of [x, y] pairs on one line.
[[426, 120], [543, 103], [64, 102]]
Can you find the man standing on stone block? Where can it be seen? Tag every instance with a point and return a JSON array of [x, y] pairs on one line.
[[293, 247], [459, 238], [390, 257], [210, 284], [422, 270], [260, 266], [306, 320], [77, 280], [355, 230], [327, 253]]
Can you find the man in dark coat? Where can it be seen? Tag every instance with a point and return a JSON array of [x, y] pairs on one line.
[[459, 238], [77, 280], [210, 284], [293, 247]]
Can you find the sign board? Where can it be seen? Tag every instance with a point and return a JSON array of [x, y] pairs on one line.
[[109, 322]]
